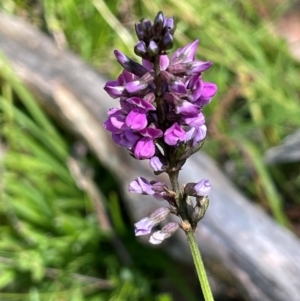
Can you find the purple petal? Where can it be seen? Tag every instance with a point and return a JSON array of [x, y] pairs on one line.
[[147, 64], [174, 134], [145, 225], [136, 119], [202, 188], [196, 134], [113, 89], [151, 133], [141, 103], [126, 77], [135, 86], [126, 139], [141, 186], [194, 121], [185, 54], [163, 62], [208, 92], [144, 149], [187, 108], [156, 164], [159, 236], [197, 67]]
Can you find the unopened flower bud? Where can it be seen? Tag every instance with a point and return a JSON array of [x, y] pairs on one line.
[[140, 48], [159, 23], [159, 236], [170, 25], [200, 209], [146, 26], [152, 48], [167, 42], [139, 31]]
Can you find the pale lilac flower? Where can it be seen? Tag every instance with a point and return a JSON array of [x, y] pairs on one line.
[[202, 188], [156, 164], [141, 186], [159, 236], [145, 225], [196, 134]]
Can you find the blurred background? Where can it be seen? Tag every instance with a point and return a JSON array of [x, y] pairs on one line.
[[52, 244]]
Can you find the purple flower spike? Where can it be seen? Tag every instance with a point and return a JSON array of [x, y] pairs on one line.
[[141, 186], [202, 188], [136, 119], [144, 149], [174, 134], [145, 225], [159, 236], [156, 164]]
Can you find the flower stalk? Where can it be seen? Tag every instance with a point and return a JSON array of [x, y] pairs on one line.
[[161, 119]]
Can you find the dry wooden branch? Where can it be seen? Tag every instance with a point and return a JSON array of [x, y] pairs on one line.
[[240, 243]]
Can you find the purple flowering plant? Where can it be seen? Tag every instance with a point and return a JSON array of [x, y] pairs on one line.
[[160, 119]]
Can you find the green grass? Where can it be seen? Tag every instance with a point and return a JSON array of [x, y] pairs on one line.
[[40, 200]]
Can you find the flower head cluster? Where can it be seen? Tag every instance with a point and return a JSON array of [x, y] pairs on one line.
[[160, 116]]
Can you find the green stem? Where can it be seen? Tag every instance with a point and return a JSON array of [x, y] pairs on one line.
[[199, 267]]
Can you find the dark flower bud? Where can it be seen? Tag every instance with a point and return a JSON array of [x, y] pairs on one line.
[[146, 26], [170, 25], [130, 65], [140, 48], [166, 42], [159, 23], [152, 48], [139, 31]]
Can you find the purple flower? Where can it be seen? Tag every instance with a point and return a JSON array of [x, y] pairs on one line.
[[116, 120], [126, 138], [187, 108], [159, 236], [145, 225], [116, 88], [144, 149], [174, 134], [207, 93], [185, 54], [202, 188], [196, 134], [141, 186], [136, 119], [194, 121], [156, 164]]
